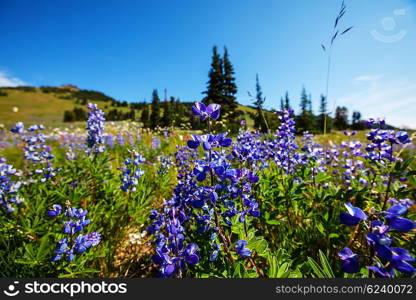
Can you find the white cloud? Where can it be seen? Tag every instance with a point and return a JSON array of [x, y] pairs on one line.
[[395, 100], [367, 77], [9, 81]]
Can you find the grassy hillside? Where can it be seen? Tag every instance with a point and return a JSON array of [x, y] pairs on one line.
[[37, 106], [47, 105]]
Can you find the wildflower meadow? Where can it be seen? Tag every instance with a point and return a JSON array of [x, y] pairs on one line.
[[242, 139], [116, 200]]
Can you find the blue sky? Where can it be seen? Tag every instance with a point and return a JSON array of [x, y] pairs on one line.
[[127, 48]]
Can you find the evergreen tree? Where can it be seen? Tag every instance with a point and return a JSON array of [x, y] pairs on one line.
[[310, 110], [166, 118], [179, 112], [323, 119], [287, 101], [259, 119], [306, 120], [229, 88], [304, 102], [132, 115], [341, 118], [172, 108], [282, 104], [221, 87], [69, 116], [214, 92], [155, 114], [145, 115], [357, 124]]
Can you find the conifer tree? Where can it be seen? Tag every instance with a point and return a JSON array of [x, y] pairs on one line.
[[310, 110], [304, 101], [145, 115], [357, 124], [323, 119], [282, 104], [341, 118], [287, 101], [166, 117], [229, 88], [173, 109], [214, 92], [155, 114], [306, 120], [259, 120]]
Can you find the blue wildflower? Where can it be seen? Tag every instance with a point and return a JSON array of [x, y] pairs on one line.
[[242, 250], [74, 243], [351, 263], [204, 112], [354, 216], [95, 127]]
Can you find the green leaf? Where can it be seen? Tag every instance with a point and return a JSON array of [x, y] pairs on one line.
[[282, 270], [273, 222], [326, 266], [317, 271], [320, 177]]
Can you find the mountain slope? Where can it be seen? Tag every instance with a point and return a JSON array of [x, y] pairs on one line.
[[46, 105], [34, 105]]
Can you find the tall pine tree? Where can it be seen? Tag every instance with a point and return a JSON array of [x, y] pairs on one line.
[[229, 87], [282, 104], [306, 120], [357, 124], [324, 122], [166, 117], [287, 101], [145, 115], [214, 92], [155, 114], [341, 118], [304, 101], [260, 120]]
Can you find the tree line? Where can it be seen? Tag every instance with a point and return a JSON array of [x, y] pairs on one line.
[[222, 89]]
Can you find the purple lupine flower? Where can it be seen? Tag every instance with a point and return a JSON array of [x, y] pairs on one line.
[[396, 222], [403, 202], [285, 156], [166, 163], [351, 263], [209, 141], [382, 272], [242, 250], [36, 151], [120, 139], [354, 216], [156, 143], [75, 242], [95, 127], [9, 187], [131, 172], [55, 211], [211, 111]]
